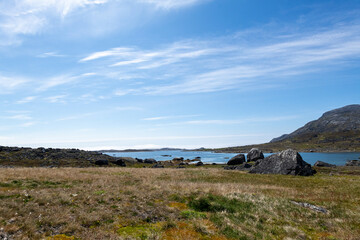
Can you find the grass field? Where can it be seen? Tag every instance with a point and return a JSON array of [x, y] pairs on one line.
[[202, 203]]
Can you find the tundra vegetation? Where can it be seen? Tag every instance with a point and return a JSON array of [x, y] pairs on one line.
[[206, 202]]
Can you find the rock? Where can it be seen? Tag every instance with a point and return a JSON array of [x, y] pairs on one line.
[[101, 162], [237, 160], [119, 162], [242, 167], [150, 161], [288, 162], [182, 164], [178, 159], [353, 163], [166, 155], [158, 165], [128, 159], [198, 164], [323, 164], [139, 160], [254, 155], [310, 206]]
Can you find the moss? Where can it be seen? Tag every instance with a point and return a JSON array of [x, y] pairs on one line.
[[62, 237], [188, 214]]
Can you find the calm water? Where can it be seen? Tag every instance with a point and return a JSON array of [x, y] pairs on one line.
[[211, 157]]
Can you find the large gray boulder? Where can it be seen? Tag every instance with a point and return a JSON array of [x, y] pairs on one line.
[[237, 160], [353, 163], [323, 164], [288, 162], [254, 155]]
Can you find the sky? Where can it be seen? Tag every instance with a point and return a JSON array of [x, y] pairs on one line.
[[118, 74]]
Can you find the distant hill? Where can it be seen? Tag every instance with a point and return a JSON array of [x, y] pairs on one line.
[[335, 130]]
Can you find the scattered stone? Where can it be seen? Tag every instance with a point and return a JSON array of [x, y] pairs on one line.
[[310, 206], [353, 163], [323, 164], [288, 162], [237, 160], [254, 155]]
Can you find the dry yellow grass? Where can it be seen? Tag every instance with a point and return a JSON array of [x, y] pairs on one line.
[[131, 203]]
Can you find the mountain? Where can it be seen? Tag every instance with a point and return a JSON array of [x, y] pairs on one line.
[[335, 131], [340, 121]]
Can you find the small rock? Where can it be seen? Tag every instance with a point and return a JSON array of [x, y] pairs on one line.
[[323, 164], [353, 163]]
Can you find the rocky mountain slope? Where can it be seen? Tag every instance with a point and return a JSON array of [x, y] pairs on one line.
[[335, 131], [342, 120]]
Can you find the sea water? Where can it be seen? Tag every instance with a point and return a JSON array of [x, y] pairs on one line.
[[221, 158]]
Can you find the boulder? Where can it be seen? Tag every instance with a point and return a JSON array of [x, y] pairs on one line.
[[127, 159], [178, 159], [288, 162], [254, 155], [150, 161], [199, 164], [119, 162], [101, 162], [353, 163], [323, 164], [237, 160]]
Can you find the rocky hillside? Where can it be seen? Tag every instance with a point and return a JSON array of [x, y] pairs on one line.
[[51, 157], [335, 131], [342, 121]]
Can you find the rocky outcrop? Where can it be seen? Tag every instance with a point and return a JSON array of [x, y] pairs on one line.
[[237, 160], [54, 157], [288, 162], [254, 155], [353, 163], [323, 164]]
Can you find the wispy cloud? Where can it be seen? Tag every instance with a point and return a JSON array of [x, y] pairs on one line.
[[230, 121], [56, 99], [169, 117], [8, 83], [50, 54], [29, 17], [26, 100], [19, 117], [237, 61], [169, 4]]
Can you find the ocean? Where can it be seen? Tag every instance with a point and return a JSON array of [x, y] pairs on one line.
[[221, 158]]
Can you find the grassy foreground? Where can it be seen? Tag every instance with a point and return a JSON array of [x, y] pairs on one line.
[[203, 203]]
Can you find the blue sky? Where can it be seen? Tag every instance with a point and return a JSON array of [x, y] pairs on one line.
[[100, 74]]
